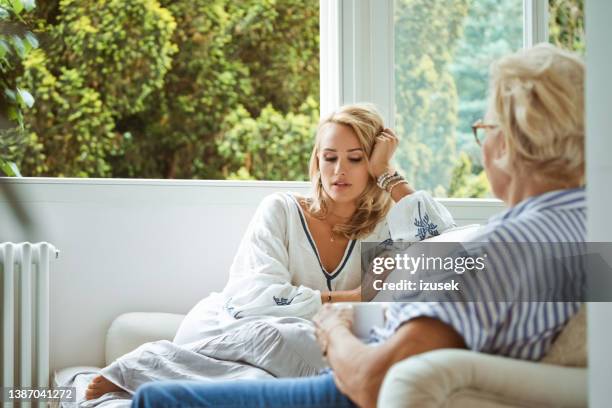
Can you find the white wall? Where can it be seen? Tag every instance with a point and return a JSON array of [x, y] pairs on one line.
[[141, 245], [599, 193]]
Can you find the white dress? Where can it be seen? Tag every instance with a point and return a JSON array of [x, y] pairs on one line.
[[277, 270]]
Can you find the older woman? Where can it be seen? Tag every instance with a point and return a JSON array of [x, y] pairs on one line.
[[532, 141]]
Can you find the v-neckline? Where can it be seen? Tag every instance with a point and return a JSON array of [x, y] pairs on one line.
[[347, 250]]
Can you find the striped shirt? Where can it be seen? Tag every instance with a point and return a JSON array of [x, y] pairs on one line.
[[516, 329]]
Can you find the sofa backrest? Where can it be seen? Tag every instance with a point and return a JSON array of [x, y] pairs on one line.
[[140, 246]]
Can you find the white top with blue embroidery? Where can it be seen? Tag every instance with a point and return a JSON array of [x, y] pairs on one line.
[[517, 329], [277, 270]]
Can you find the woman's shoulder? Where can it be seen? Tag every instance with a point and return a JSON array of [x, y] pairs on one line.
[[280, 203]]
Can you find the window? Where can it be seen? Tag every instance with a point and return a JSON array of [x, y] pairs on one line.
[[207, 89], [219, 89], [443, 49], [442, 54]]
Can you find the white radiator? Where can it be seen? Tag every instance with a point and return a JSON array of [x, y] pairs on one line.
[[24, 282]]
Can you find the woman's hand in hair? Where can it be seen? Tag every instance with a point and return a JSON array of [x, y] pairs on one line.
[[380, 159]]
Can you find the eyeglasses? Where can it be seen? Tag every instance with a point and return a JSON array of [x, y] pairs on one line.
[[479, 124]]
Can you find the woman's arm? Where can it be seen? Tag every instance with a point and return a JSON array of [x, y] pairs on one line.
[[359, 369], [341, 296], [261, 282]]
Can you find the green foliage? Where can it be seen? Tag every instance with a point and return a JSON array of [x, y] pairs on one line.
[[278, 41], [492, 29], [175, 135], [121, 49], [272, 146], [566, 24], [70, 131], [16, 42], [464, 183], [233, 57]]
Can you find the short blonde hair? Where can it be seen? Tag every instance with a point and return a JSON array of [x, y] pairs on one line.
[[374, 203], [537, 96]]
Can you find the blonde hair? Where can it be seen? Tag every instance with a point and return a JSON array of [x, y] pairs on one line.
[[374, 203], [538, 99]]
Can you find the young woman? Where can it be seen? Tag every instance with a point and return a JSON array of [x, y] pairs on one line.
[[301, 252]]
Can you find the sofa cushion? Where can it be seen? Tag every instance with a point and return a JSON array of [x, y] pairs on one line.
[[570, 347], [130, 330]]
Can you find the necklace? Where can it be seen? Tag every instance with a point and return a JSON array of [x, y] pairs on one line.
[[333, 234]]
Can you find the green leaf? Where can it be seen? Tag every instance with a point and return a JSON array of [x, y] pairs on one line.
[[31, 39], [19, 45], [4, 48], [29, 5], [9, 168], [4, 14], [17, 6], [25, 97], [15, 115], [10, 94]]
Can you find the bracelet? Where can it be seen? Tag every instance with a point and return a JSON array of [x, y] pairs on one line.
[[402, 181], [383, 178], [391, 180]]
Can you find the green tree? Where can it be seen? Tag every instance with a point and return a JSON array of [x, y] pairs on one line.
[[272, 146], [70, 132], [233, 56], [493, 28], [465, 183], [566, 24], [426, 34], [16, 42], [101, 62]]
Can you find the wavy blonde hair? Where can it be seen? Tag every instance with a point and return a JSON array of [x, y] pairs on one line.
[[537, 96], [374, 203]]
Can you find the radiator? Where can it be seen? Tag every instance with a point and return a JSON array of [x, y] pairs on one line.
[[24, 280]]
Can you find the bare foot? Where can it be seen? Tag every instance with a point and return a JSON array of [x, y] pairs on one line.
[[100, 386]]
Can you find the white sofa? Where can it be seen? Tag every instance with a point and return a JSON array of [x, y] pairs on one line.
[[443, 378]]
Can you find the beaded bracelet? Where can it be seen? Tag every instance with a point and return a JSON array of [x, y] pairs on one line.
[[390, 188], [391, 180], [383, 179]]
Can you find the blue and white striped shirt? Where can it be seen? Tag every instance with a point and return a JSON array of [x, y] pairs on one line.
[[517, 329]]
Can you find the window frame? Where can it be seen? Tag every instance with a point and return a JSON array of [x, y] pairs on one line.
[[357, 51]]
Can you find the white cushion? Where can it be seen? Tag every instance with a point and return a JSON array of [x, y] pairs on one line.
[[131, 330], [462, 379]]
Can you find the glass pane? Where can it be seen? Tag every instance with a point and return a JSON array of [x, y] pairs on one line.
[[206, 89], [566, 24], [443, 49]]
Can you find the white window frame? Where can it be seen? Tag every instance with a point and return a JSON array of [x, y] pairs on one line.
[[357, 52]]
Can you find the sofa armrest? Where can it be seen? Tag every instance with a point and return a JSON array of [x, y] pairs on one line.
[[130, 330], [462, 378]]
